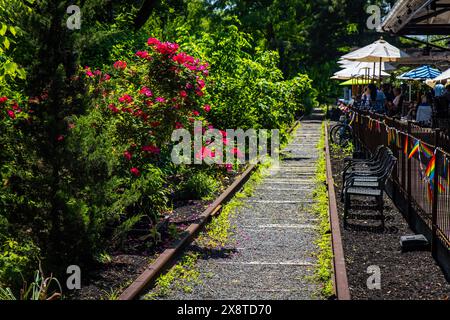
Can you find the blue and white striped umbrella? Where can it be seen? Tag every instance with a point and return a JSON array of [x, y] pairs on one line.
[[422, 73]]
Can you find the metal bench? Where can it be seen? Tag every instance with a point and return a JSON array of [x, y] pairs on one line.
[[373, 158], [373, 165], [356, 186], [368, 172]]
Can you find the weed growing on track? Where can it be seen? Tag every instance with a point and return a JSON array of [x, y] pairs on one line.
[[114, 293], [183, 276], [323, 272]]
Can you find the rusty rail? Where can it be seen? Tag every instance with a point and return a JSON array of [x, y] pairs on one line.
[[340, 280]]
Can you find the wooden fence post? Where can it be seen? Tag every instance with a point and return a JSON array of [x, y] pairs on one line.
[[404, 157], [434, 212], [408, 182]]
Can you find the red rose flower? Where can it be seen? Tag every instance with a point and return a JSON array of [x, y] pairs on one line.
[[11, 114], [120, 65], [126, 98], [146, 92], [143, 55], [135, 171], [153, 42], [127, 155]]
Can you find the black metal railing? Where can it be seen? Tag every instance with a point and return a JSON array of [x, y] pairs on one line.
[[425, 196]]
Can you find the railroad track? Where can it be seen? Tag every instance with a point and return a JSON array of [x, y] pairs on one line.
[[169, 257]]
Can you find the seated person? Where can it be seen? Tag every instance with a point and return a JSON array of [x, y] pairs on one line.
[[388, 93], [424, 113], [377, 99], [365, 99], [411, 114], [351, 102], [394, 107]]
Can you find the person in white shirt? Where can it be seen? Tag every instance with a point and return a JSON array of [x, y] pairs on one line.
[[424, 112]]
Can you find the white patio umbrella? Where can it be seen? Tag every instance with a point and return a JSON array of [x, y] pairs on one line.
[[344, 62], [444, 76], [358, 72], [379, 51], [358, 64]]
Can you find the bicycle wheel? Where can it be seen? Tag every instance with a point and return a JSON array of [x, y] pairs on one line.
[[341, 134], [334, 133]]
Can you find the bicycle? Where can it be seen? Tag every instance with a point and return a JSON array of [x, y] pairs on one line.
[[342, 133]]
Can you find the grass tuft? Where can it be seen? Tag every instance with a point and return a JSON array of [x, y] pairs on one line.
[[182, 276], [324, 270]]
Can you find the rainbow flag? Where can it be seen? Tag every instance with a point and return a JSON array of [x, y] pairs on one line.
[[414, 150], [405, 149], [431, 169], [389, 132], [441, 188], [430, 172], [426, 151]]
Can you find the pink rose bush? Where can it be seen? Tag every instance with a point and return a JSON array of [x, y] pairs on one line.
[[160, 90]]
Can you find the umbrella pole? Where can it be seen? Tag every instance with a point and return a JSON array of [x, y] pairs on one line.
[[374, 66], [380, 74], [366, 76]]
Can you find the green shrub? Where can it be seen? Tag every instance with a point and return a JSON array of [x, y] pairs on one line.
[[107, 192], [17, 261], [199, 186]]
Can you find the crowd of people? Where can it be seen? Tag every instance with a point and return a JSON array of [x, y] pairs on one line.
[[389, 100]]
